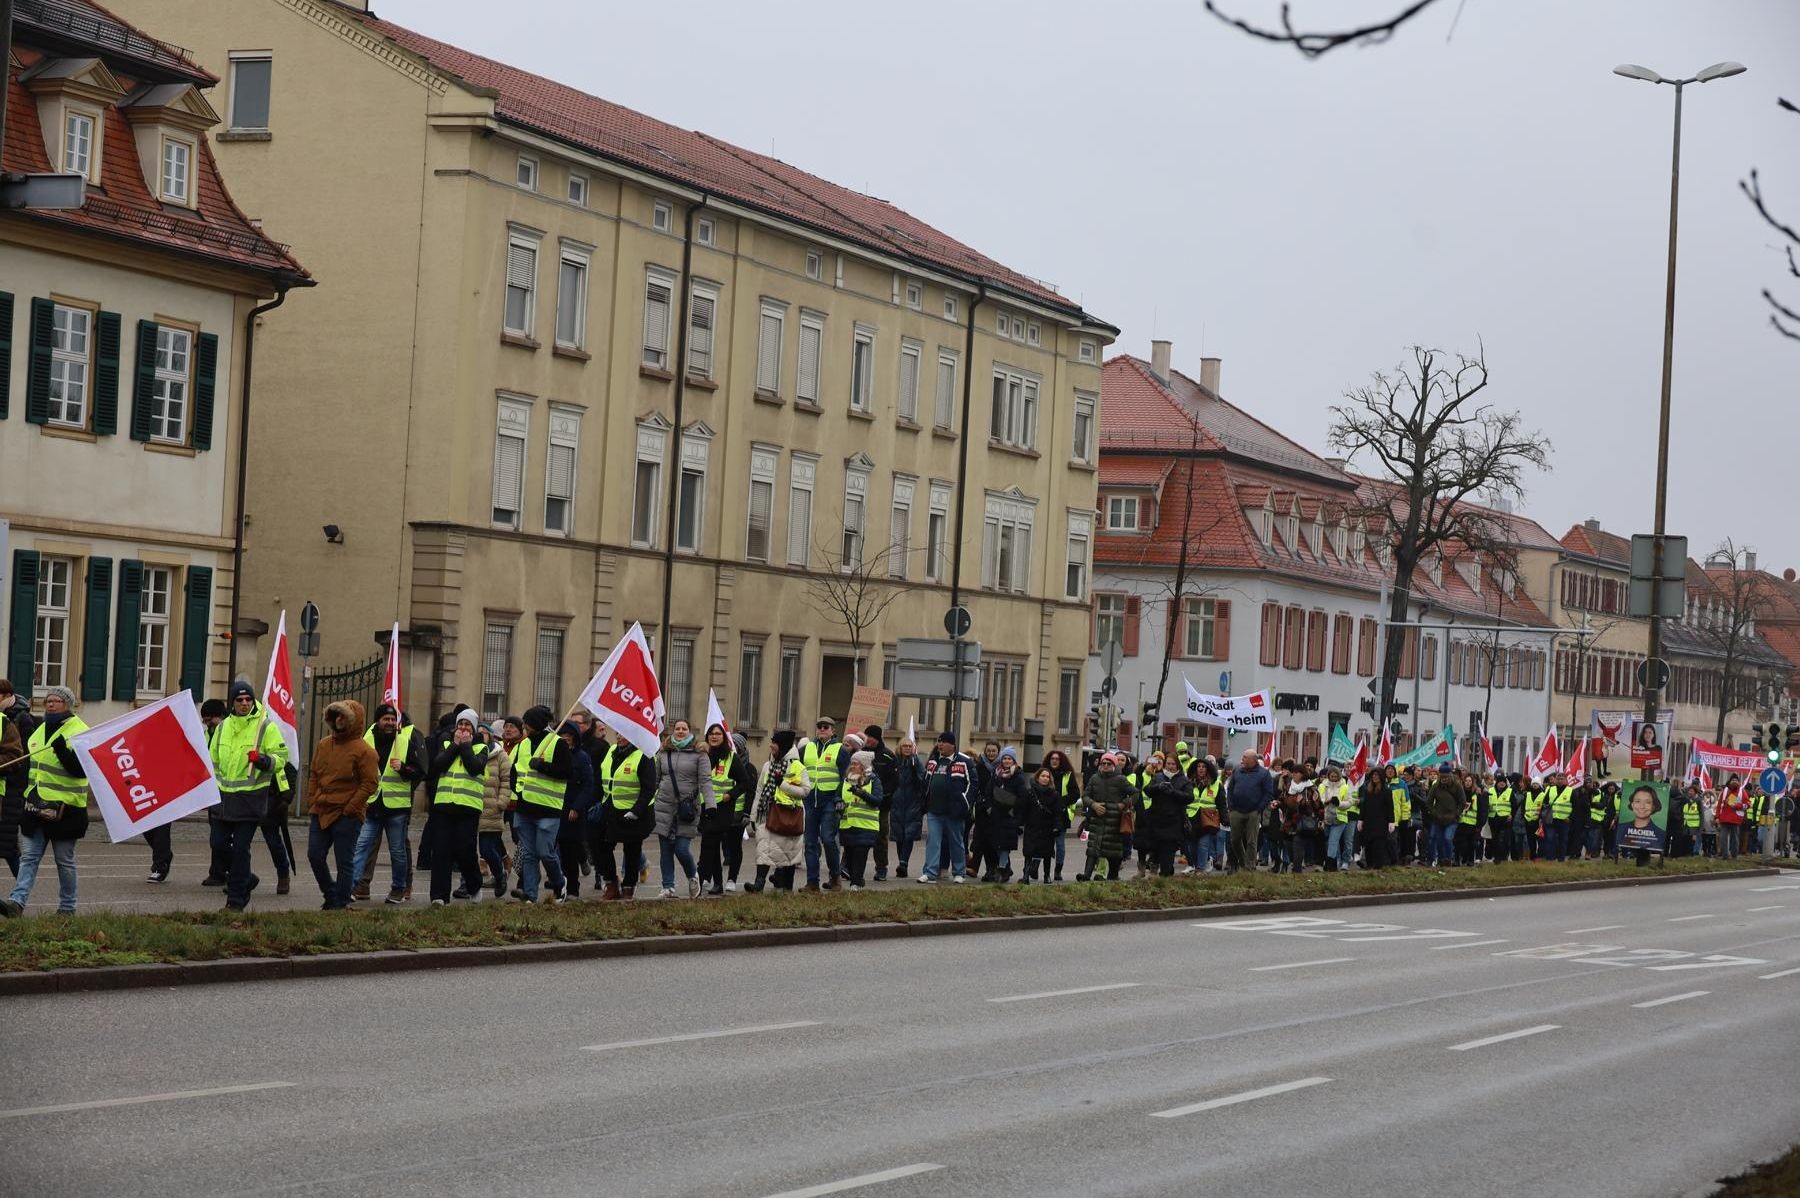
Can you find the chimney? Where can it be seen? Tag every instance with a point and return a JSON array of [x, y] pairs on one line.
[[1159, 358], [1592, 524], [1209, 374], [1749, 561]]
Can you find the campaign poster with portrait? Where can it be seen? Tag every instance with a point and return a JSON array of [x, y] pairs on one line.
[[1649, 740], [1644, 817]]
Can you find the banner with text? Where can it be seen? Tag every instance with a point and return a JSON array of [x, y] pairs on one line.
[[1342, 747], [149, 767], [1247, 713], [1436, 751], [1719, 757]]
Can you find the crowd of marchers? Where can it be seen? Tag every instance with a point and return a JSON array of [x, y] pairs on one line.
[[532, 808]]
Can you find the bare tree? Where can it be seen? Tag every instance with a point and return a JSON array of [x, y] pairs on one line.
[[1430, 446], [1752, 187], [854, 589], [1314, 43], [1745, 599]]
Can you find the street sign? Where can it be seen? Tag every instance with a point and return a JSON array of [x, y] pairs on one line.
[[1653, 673], [1111, 657], [1671, 598], [929, 682], [957, 621], [1224, 682], [309, 617], [65, 190], [924, 651], [1109, 686], [1772, 781], [1643, 556], [309, 645]]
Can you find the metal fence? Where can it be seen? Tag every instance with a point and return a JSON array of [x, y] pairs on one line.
[[320, 689]]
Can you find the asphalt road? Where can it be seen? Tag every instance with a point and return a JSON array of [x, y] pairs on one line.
[[1620, 1042]]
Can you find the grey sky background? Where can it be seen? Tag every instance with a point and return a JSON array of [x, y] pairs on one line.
[[1305, 221]]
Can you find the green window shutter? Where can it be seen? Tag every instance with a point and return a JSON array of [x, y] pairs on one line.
[[6, 317], [125, 630], [206, 369], [196, 629], [23, 635], [37, 378], [99, 617], [143, 385], [106, 374]]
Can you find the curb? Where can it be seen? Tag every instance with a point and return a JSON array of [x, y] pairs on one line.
[[261, 969]]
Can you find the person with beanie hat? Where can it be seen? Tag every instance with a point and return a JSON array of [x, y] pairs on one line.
[[249, 759], [459, 773], [56, 804], [781, 792], [684, 790], [400, 750], [997, 817], [578, 800], [859, 822], [886, 770], [541, 771]]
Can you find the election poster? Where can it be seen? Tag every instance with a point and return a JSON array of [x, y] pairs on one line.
[[1649, 739], [1644, 819]]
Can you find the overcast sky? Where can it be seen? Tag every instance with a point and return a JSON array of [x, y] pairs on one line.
[[1305, 220]]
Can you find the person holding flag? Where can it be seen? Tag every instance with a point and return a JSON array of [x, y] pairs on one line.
[[56, 801], [249, 759]]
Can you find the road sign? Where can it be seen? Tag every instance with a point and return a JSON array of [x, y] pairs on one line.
[[1224, 682], [1653, 673], [957, 621], [929, 682], [1111, 657], [1643, 556], [924, 651], [309, 645], [309, 617], [1109, 686], [1772, 781]]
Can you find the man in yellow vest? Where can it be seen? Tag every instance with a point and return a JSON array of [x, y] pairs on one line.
[[459, 774], [627, 806], [1534, 815], [249, 759], [400, 750], [1559, 800], [541, 770], [825, 759], [56, 804], [1500, 818]]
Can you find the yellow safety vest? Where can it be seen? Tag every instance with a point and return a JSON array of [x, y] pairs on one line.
[[229, 748], [1402, 802], [1562, 800], [49, 781], [396, 792], [1599, 807], [796, 775], [1500, 803], [859, 814], [540, 790], [457, 786], [1203, 798], [620, 783], [1534, 804], [1072, 810], [821, 766], [1690, 813], [1471, 814], [721, 776]]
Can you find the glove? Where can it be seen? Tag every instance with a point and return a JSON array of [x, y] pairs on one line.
[[259, 762]]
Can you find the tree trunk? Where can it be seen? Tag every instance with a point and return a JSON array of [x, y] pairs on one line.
[[1181, 570], [1396, 643]]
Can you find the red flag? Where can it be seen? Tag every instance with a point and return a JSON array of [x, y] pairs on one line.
[[625, 695], [1549, 757], [149, 767], [1358, 768], [716, 714], [1385, 753], [1576, 765], [390, 686], [278, 693], [1489, 762]]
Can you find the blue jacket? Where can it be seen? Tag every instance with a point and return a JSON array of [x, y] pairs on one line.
[[1251, 790], [578, 791], [950, 785], [906, 815]]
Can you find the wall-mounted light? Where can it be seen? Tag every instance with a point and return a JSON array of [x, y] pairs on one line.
[[334, 534]]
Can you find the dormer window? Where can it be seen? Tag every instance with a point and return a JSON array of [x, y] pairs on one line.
[[1291, 528], [177, 172], [168, 120], [78, 143], [1267, 531]]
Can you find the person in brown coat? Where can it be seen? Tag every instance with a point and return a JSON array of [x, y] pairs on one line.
[[342, 777]]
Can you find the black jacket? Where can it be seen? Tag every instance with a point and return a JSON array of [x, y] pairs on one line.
[[1164, 807]]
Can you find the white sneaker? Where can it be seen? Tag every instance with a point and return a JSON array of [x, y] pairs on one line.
[[731, 888], [925, 880], [855, 889], [693, 887], [958, 879], [667, 892]]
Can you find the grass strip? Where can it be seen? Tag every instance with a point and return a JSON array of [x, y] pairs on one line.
[[52, 942], [1779, 1178]]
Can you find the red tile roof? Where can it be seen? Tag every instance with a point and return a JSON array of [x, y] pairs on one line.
[[1597, 543], [698, 160], [86, 24], [121, 205]]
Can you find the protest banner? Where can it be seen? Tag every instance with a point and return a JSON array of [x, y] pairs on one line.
[[1247, 713], [148, 767], [625, 695]]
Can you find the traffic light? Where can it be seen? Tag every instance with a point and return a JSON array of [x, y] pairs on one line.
[[1147, 713], [1756, 738], [1792, 741], [1774, 739]]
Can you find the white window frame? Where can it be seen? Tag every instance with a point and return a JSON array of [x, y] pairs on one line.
[[176, 186], [525, 174], [856, 518], [1034, 334], [1087, 351], [171, 397], [1079, 556], [1199, 623], [565, 434], [1087, 418], [1007, 528], [652, 452], [915, 296], [71, 368], [512, 434], [1122, 512], [662, 216], [1109, 618], [703, 330], [812, 329], [55, 619], [787, 683], [937, 531], [862, 369], [577, 193], [88, 153], [815, 264], [581, 258], [1018, 399], [803, 473], [524, 244], [943, 411], [656, 352], [696, 450], [231, 104], [1002, 324], [765, 463], [900, 525], [768, 365], [156, 600], [950, 307], [906, 400], [1068, 700], [704, 231]]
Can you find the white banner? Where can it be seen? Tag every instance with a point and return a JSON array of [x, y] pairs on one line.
[[1248, 713], [149, 767]]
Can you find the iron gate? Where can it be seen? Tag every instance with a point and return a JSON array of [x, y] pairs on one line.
[[321, 688]]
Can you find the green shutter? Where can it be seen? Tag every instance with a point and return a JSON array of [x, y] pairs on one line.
[[106, 374], [206, 369], [125, 630], [99, 616], [196, 630], [143, 384], [6, 317], [22, 648], [37, 377]]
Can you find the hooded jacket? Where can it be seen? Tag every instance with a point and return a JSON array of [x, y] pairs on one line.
[[682, 774], [344, 772]]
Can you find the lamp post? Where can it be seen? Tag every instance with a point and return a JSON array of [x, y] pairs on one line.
[[1719, 70]]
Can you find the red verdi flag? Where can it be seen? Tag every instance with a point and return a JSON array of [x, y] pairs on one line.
[[1549, 757], [149, 767], [625, 695], [278, 693], [1386, 751], [1490, 763], [1359, 764]]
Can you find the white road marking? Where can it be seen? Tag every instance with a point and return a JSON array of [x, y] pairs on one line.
[[1657, 1002], [171, 1096], [1212, 1104], [1438, 948], [1685, 918], [730, 1031], [1766, 889], [1062, 993], [1780, 973], [1301, 964], [858, 1182], [1504, 1036], [1754, 910], [1605, 927]]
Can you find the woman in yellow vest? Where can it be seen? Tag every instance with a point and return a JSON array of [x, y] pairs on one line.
[[459, 791], [859, 823], [781, 810], [56, 804]]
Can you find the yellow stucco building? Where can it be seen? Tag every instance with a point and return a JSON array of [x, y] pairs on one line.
[[569, 359]]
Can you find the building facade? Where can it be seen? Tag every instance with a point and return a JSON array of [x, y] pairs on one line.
[[580, 368], [121, 344], [1284, 586]]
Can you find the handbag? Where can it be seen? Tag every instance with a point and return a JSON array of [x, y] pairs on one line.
[[785, 819], [1209, 818], [686, 811]]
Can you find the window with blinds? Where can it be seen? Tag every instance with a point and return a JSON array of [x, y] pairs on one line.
[[856, 490], [906, 404], [546, 675], [658, 289], [944, 408], [812, 335], [681, 677], [559, 487], [1006, 544], [496, 668], [801, 472], [900, 528], [768, 350], [762, 503], [511, 426], [521, 284], [702, 310], [749, 697], [862, 369], [571, 299]]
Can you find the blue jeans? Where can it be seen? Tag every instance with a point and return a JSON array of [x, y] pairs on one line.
[[821, 832], [676, 848], [1062, 847], [1212, 848], [943, 831], [1340, 844], [493, 851], [327, 844], [31, 851], [537, 843], [1443, 844], [394, 823]]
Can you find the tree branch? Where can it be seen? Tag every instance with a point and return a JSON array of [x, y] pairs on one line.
[[1313, 44]]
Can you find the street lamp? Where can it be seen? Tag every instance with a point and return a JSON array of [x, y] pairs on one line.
[[1719, 70]]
